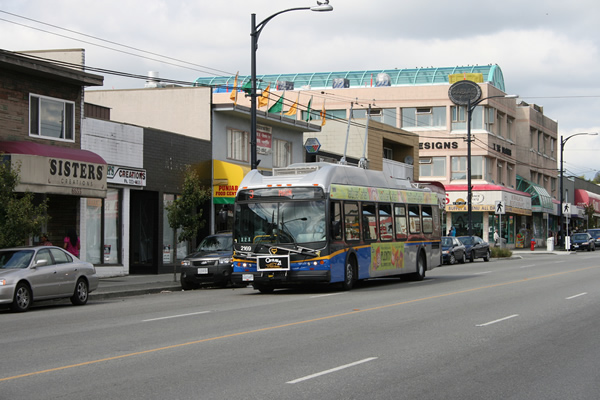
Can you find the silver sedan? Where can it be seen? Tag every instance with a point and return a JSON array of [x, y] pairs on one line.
[[43, 273]]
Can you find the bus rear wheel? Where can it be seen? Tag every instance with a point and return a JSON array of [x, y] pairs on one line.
[[419, 275]]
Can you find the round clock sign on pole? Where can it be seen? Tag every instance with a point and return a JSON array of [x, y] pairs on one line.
[[464, 93]]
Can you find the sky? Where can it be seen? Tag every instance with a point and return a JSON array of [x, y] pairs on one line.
[[548, 50]]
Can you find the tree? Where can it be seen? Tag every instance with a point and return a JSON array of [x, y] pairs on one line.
[[589, 213], [20, 217], [596, 179], [185, 211]]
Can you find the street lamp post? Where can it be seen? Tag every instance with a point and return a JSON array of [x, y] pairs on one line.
[[470, 108], [256, 29], [560, 209]]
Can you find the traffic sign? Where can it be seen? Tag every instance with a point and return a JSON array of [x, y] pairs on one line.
[[312, 145], [500, 209]]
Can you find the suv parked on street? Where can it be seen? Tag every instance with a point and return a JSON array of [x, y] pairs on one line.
[[210, 264]]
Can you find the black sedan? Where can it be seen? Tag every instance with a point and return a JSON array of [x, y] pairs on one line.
[[583, 241], [453, 250], [210, 264], [595, 234], [476, 247]]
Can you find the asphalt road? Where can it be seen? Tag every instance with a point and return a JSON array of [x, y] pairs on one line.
[[516, 329]]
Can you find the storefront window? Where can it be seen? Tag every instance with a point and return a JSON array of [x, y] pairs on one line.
[[172, 250], [103, 236], [111, 248], [168, 232], [460, 220], [506, 231], [93, 231]]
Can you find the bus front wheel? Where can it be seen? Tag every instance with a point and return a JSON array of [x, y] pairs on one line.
[[349, 275]]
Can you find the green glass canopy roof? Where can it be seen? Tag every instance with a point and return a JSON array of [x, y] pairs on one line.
[[397, 77], [539, 195]]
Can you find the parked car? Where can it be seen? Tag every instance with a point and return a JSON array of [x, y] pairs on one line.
[[595, 234], [476, 247], [453, 250], [210, 264], [583, 241], [29, 274]]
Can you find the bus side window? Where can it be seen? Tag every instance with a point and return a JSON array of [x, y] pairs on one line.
[[427, 216], [414, 218], [336, 221], [351, 225], [369, 221], [400, 217], [385, 222]]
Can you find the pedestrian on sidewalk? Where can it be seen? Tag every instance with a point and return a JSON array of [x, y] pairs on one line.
[[71, 242]]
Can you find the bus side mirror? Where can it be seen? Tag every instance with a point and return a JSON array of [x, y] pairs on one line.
[[336, 229]]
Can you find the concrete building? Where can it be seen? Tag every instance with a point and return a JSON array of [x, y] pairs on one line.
[[509, 138]]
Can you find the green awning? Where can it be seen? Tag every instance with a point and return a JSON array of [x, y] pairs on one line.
[[541, 201]]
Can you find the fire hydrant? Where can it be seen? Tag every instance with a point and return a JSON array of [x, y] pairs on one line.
[[532, 243]]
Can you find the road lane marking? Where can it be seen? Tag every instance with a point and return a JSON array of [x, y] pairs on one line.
[[175, 316], [324, 295], [528, 266], [499, 320], [291, 324], [577, 295], [483, 273], [329, 371]]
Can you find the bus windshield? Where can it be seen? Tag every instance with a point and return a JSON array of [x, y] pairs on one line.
[[291, 222]]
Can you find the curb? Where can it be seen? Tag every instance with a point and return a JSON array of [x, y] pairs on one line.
[[133, 292]]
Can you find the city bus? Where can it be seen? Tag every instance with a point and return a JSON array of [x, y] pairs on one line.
[[322, 223]]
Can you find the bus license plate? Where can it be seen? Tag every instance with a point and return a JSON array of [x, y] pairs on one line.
[[202, 271], [247, 277]]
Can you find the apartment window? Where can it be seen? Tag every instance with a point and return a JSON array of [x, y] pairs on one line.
[[552, 145], [460, 116], [432, 166], [489, 113], [499, 125], [388, 153], [544, 140], [423, 117], [499, 174], [489, 162], [509, 128], [459, 167], [237, 145], [509, 175], [51, 118], [384, 115], [282, 153]]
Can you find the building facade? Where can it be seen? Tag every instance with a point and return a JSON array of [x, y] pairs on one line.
[[417, 100], [41, 113]]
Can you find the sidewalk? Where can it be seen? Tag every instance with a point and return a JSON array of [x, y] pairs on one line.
[[135, 285], [540, 251]]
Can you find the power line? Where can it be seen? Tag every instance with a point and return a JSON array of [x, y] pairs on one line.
[[203, 70]]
